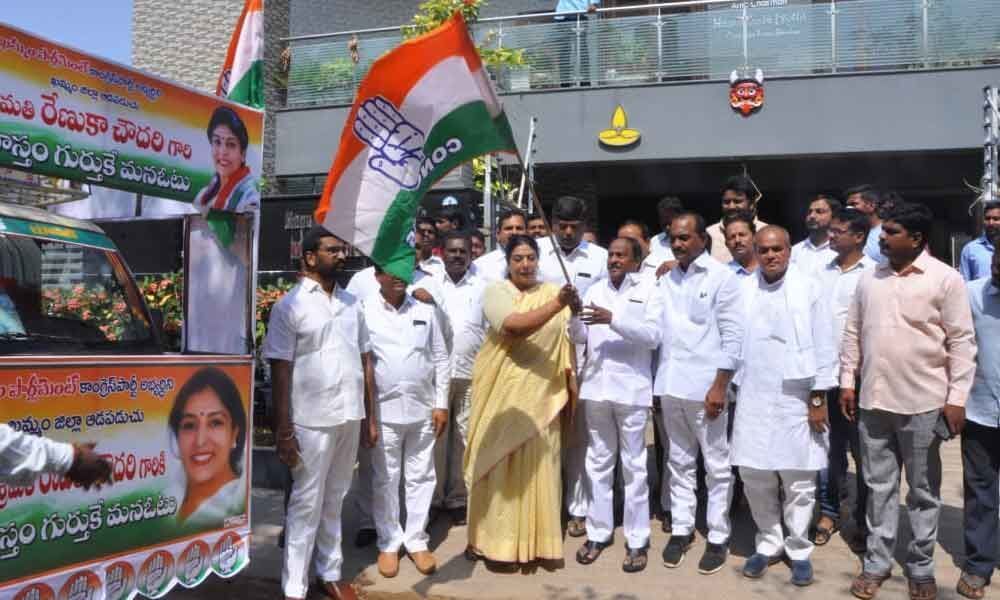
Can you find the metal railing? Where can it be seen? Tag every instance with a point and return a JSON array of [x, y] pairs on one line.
[[699, 40]]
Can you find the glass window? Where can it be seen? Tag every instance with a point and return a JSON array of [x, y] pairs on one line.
[[63, 298]]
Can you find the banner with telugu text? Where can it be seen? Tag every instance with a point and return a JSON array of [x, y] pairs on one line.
[[71, 115], [179, 438]]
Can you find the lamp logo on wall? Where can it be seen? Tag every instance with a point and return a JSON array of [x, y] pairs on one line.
[[746, 94], [619, 135]]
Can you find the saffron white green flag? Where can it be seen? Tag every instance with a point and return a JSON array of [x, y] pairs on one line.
[[242, 77], [422, 110]]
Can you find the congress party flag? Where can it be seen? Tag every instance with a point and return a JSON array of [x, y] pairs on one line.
[[242, 77], [424, 109]]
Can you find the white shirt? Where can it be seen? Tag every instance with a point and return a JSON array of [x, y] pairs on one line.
[[586, 264], [411, 360], [363, 284], [659, 253], [492, 266], [324, 337], [812, 259], [24, 456], [838, 289], [433, 265], [463, 302], [704, 317], [771, 429], [619, 366]]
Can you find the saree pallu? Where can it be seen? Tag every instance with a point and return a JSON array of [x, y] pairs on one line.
[[520, 388]]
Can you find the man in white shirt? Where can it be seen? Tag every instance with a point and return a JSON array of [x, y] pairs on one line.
[[492, 266], [586, 264], [321, 373], [813, 254], [364, 284], [779, 437], [703, 314], [463, 291], [426, 236], [739, 229], [620, 326], [838, 282], [738, 193], [411, 403], [661, 258], [23, 457]]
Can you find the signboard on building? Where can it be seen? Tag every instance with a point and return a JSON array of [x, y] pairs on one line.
[[776, 33], [177, 510], [67, 114]]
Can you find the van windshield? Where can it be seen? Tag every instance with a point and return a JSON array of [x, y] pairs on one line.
[[64, 298]]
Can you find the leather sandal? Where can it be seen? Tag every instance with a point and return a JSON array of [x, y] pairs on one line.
[[866, 585], [922, 589], [590, 551], [971, 586], [635, 559], [824, 534]]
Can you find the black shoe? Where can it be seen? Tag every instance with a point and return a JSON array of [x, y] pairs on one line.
[[713, 559], [757, 564], [802, 573], [365, 537], [665, 523], [458, 516], [677, 547]]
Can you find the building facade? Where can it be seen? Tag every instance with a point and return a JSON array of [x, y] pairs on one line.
[[887, 92]]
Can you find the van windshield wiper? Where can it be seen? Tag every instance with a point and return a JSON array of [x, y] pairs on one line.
[[36, 337]]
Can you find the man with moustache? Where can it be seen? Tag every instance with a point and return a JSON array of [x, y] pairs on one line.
[[838, 282], [320, 330], [586, 264], [536, 227], [779, 437], [477, 244], [703, 314], [411, 366], [978, 254], [620, 327], [910, 320], [738, 193], [426, 245], [492, 266], [813, 254], [981, 439], [462, 290], [739, 229]]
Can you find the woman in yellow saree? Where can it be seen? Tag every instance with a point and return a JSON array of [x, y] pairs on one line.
[[522, 384]]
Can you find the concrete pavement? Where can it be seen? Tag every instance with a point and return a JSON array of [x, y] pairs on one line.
[[834, 564]]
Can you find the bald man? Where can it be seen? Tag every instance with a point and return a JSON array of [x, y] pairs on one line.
[[780, 429]]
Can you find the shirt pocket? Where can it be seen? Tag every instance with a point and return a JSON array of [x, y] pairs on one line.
[[421, 333], [701, 307]]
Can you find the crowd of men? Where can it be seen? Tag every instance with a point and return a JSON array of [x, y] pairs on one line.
[[762, 364]]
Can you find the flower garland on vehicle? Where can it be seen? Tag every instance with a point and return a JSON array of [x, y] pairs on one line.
[[165, 292], [94, 306]]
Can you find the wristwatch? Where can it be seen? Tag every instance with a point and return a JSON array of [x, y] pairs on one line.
[[817, 401]]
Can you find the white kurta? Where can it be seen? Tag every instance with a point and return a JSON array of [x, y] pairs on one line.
[[771, 430]]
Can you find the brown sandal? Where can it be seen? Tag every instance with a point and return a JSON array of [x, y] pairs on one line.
[[923, 589], [971, 586], [824, 534], [866, 585]]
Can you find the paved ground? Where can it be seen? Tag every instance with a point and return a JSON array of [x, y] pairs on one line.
[[834, 565]]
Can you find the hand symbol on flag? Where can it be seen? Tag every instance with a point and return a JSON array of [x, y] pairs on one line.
[[397, 143]]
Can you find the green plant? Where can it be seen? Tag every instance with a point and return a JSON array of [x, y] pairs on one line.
[[433, 13], [336, 74], [165, 292], [267, 297]]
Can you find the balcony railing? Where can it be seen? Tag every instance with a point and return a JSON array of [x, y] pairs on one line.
[[701, 40]]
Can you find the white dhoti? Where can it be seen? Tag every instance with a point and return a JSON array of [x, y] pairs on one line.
[[617, 430], [690, 432], [449, 450], [407, 452], [761, 489], [320, 482]]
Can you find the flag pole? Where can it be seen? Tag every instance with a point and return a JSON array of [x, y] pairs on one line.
[[541, 213]]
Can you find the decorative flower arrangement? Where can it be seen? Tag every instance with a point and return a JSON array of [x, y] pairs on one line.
[[94, 306], [267, 297], [165, 292]]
